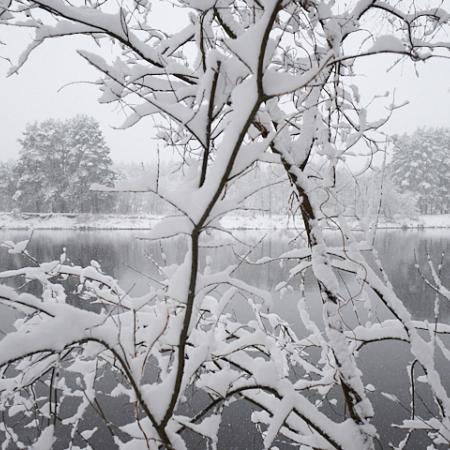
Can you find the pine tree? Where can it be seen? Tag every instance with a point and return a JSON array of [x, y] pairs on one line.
[[7, 187], [421, 164], [59, 161]]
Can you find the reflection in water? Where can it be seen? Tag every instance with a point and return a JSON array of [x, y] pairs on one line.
[[132, 261], [129, 260]]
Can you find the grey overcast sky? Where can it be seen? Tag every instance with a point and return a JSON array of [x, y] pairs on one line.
[[34, 94]]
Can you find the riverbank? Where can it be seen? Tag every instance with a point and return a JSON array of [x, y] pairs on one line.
[[62, 221], [245, 221]]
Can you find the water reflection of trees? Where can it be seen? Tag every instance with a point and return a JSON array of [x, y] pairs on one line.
[[129, 258]]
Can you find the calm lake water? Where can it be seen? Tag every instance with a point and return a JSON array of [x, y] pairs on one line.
[[126, 258]]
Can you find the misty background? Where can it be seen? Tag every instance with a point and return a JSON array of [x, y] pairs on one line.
[[57, 83], [63, 86]]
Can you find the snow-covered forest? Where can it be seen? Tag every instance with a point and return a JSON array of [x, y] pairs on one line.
[[254, 97], [357, 194], [39, 183]]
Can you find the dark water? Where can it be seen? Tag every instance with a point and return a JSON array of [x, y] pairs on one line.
[[127, 259]]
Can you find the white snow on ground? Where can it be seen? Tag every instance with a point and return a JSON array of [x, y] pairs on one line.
[[54, 221], [244, 221]]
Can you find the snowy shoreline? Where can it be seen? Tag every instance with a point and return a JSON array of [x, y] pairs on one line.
[[61, 221]]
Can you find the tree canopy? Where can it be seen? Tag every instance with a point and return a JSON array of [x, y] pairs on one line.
[[59, 161], [421, 165]]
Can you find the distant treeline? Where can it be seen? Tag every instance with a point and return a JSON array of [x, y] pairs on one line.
[[357, 196], [61, 160]]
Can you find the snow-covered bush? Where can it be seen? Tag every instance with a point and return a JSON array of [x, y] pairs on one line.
[[397, 205], [241, 82], [371, 194]]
